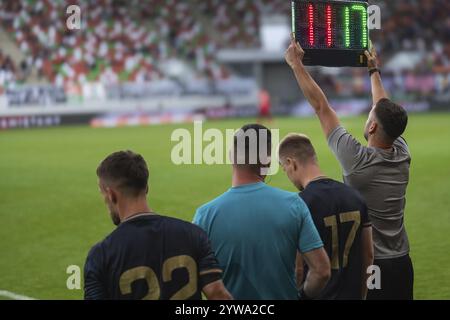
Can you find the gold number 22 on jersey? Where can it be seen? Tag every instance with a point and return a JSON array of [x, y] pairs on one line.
[[154, 290]]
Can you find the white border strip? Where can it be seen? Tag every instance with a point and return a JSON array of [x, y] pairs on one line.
[[14, 296]]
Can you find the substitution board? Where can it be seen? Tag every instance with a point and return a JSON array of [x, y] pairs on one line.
[[332, 33]]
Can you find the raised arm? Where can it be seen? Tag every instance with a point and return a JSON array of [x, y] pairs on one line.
[[378, 91], [313, 93]]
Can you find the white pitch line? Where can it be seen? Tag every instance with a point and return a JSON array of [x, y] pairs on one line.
[[14, 296]]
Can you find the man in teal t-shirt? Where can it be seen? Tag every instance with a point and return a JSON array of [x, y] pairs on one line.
[[256, 231]]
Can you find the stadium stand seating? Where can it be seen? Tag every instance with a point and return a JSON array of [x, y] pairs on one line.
[[134, 40]]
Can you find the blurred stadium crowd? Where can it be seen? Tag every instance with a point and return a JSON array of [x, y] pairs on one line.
[[139, 41]]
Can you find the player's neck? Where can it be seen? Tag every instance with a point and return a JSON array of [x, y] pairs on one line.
[[131, 208], [374, 142], [312, 173], [243, 177]]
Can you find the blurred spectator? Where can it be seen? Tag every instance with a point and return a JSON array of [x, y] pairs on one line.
[[7, 71]]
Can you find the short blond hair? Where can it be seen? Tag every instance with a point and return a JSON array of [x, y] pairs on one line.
[[297, 146]]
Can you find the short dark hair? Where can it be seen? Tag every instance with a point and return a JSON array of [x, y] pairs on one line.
[[392, 117], [125, 170], [297, 146], [247, 141]]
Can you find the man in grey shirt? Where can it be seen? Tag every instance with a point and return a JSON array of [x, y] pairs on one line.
[[379, 171]]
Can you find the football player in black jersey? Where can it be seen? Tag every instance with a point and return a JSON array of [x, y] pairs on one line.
[[340, 216], [147, 256]]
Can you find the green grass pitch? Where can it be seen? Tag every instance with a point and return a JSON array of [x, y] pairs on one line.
[[51, 212]]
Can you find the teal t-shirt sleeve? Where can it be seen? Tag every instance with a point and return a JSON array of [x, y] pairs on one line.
[[198, 219], [309, 238]]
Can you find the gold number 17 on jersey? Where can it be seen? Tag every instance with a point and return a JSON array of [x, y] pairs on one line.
[[331, 221]]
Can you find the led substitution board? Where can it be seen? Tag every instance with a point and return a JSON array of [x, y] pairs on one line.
[[332, 33]]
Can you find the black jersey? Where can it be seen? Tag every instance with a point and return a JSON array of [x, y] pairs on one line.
[[339, 213], [151, 257]]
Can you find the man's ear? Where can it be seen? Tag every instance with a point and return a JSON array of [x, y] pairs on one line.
[[373, 127], [112, 195], [291, 162]]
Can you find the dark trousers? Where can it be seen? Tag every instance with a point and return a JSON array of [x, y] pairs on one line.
[[397, 279]]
